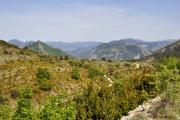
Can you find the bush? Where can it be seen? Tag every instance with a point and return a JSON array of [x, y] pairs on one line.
[[57, 109], [75, 63], [170, 62], [178, 65], [109, 60], [103, 59], [5, 112], [92, 72], [24, 106], [61, 58], [43, 77], [27, 93], [43, 73], [75, 73], [97, 104], [66, 57], [45, 85]]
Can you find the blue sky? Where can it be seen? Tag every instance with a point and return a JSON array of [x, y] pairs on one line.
[[89, 20]]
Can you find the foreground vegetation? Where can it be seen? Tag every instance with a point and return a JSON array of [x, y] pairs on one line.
[[38, 87]]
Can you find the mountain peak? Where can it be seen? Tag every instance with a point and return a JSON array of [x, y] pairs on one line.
[[42, 47]]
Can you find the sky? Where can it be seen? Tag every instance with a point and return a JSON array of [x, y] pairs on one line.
[[89, 20]]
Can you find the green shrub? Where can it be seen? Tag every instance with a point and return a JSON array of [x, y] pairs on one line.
[[75, 63], [24, 106], [5, 112], [43, 73], [27, 93], [178, 65], [143, 97], [75, 74], [170, 62], [92, 72], [45, 85], [57, 109], [43, 77], [97, 104]]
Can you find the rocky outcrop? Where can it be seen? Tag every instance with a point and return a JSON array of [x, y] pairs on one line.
[[144, 110]]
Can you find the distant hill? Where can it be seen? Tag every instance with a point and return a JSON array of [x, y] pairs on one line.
[[169, 50], [124, 49], [46, 49], [74, 48], [73, 45], [19, 43]]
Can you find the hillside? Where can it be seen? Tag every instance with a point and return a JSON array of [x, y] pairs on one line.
[[170, 50], [47, 87], [18, 68], [124, 49], [45, 49]]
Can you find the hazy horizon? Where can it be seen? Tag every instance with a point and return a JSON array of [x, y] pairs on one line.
[[83, 20], [87, 41]]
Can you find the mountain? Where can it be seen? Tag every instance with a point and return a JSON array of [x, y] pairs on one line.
[[74, 48], [19, 43], [118, 50], [169, 50], [124, 49], [46, 49]]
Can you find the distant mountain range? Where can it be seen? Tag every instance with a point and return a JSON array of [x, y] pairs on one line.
[[73, 48], [123, 49], [73, 45], [45, 49], [19, 43]]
